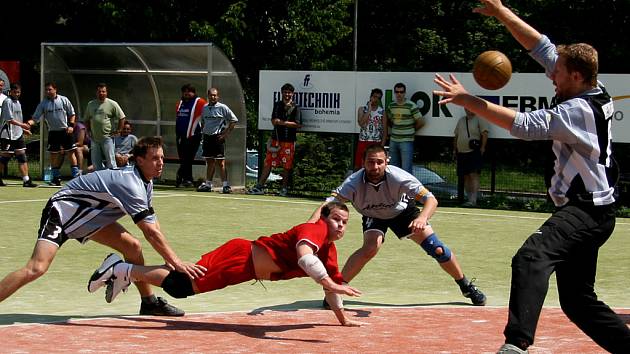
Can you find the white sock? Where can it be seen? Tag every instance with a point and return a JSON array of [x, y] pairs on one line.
[[124, 270], [25, 178], [209, 183], [226, 183]]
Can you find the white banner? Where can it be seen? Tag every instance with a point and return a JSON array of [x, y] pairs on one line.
[[329, 99]]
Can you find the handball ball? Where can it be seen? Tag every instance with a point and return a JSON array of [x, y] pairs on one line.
[[492, 70]]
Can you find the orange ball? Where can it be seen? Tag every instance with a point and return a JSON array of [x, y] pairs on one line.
[[492, 70]]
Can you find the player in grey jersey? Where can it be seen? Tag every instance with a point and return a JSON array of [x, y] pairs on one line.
[[386, 196], [581, 188], [88, 208]]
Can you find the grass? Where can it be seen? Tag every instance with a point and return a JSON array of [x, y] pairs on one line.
[[194, 223]]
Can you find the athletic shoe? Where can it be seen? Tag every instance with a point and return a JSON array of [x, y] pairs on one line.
[[117, 284], [283, 192], [226, 190], [256, 191], [204, 187], [103, 274], [55, 182], [2, 184], [160, 308], [474, 294], [511, 349], [29, 184], [187, 184]]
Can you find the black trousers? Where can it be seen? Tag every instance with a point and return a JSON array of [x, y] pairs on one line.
[[186, 150], [567, 243]]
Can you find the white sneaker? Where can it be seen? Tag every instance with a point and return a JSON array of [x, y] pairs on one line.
[[511, 349], [120, 281], [102, 275]]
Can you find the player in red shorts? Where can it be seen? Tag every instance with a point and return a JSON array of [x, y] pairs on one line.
[[305, 250]]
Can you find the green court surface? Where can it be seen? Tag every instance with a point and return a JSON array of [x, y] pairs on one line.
[[194, 223]]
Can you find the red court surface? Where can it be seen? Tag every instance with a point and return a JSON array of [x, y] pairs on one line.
[[386, 330]]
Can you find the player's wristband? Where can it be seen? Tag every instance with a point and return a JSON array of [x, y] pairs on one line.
[[313, 267]]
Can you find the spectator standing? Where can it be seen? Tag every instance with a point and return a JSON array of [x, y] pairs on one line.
[[59, 116], [469, 146], [82, 141], [101, 115], [217, 120], [12, 130], [123, 145], [286, 119], [2, 95], [370, 119], [402, 120], [188, 133]]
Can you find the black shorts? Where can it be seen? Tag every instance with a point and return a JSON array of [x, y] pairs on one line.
[[8, 145], [60, 139], [50, 227], [469, 162], [212, 147], [399, 225]]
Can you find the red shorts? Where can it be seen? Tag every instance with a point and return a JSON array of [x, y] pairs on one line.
[[358, 157], [229, 264], [283, 157]]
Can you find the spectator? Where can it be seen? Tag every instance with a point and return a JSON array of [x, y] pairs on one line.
[[101, 115], [2, 95], [402, 119], [218, 120], [12, 133], [469, 145], [286, 119], [370, 119], [59, 116], [83, 142], [188, 133], [123, 145]]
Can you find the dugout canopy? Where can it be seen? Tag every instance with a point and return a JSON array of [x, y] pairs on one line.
[[145, 79]]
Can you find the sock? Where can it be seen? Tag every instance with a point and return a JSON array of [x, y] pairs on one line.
[[123, 270], [209, 182], [25, 178], [56, 173], [149, 300], [75, 170], [226, 183], [463, 283]]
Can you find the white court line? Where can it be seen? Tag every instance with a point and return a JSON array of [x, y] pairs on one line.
[[171, 195]]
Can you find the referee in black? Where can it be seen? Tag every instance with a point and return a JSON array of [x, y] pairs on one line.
[[582, 188]]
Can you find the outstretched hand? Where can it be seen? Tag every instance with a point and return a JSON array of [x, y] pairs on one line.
[[453, 90]]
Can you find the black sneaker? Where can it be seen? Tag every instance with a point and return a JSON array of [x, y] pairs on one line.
[[474, 294], [160, 308], [55, 182], [226, 190], [2, 184], [29, 184]]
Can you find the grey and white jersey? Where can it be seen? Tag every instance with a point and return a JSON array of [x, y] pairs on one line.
[[55, 112], [386, 199], [580, 128], [215, 118], [11, 110], [95, 200]]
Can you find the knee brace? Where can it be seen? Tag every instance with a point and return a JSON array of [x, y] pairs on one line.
[[178, 285], [21, 158], [436, 249]]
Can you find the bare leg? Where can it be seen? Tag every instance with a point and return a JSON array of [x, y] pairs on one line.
[[117, 237], [223, 170], [372, 242], [265, 174], [43, 255], [210, 169]]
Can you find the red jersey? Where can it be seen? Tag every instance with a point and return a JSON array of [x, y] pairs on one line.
[[283, 250]]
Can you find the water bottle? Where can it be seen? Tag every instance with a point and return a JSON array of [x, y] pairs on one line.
[[48, 174]]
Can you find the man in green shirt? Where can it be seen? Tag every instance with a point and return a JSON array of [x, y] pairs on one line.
[[402, 119], [100, 115]]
